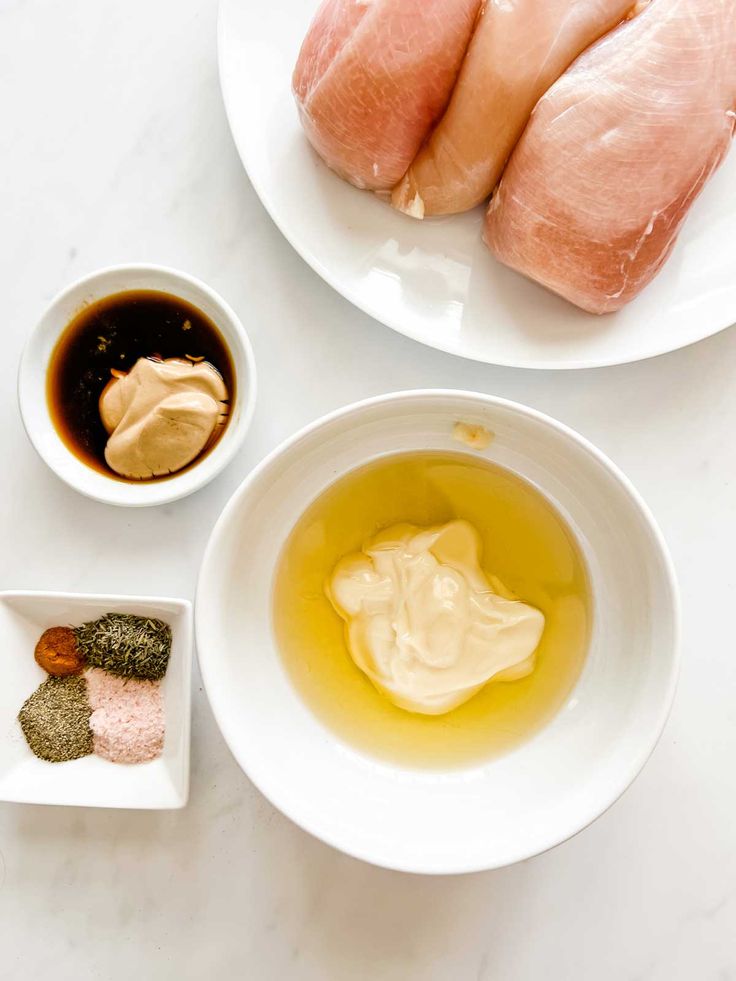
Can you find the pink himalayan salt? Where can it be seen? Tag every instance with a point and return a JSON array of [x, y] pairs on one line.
[[127, 718]]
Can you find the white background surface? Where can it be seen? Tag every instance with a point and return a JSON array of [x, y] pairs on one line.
[[114, 148]]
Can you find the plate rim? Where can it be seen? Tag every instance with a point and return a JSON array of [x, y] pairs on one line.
[[364, 305]]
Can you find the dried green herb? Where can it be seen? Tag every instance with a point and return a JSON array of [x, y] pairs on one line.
[[127, 645], [55, 720]]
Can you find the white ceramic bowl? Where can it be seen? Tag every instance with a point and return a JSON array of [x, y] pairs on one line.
[[90, 781], [461, 820], [32, 385]]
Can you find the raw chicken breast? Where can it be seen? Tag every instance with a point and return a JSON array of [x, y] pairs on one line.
[[616, 152], [372, 78], [519, 49]]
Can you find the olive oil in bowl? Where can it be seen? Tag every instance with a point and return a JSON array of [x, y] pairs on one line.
[[526, 544]]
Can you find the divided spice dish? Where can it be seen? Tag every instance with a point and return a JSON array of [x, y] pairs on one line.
[[497, 811], [91, 781], [33, 380]]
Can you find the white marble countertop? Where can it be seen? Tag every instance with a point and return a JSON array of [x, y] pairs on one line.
[[115, 148]]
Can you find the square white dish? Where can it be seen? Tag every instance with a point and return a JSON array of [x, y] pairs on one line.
[[90, 781]]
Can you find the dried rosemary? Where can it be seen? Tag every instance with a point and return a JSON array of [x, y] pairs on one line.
[[127, 645], [55, 720]]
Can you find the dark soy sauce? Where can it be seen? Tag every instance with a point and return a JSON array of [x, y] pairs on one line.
[[113, 333]]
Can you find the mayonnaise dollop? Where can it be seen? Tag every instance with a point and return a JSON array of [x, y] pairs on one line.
[[161, 415], [424, 621]]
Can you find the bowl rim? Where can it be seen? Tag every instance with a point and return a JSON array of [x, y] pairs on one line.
[[648, 741], [153, 493]]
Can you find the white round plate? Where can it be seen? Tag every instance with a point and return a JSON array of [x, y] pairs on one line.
[[435, 281]]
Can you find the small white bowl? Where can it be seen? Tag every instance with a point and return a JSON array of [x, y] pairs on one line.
[[90, 781], [484, 816], [32, 385]]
